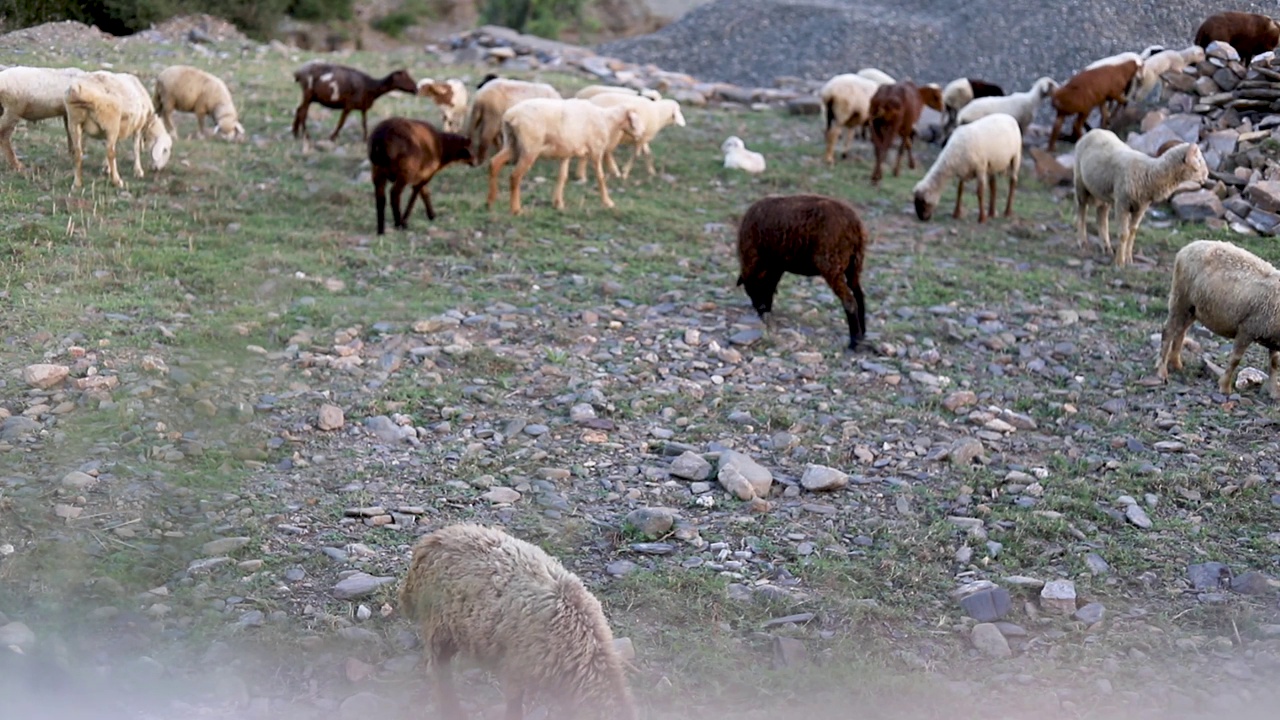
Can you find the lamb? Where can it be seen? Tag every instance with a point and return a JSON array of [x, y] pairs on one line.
[[1250, 34], [1021, 105], [981, 150], [491, 102], [409, 152], [876, 76], [805, 235], [479, 592], [894, 112], [1116, 59], [655, 114], [1231, 291], [32, 94], [1165, 61], [846, 100], [187, 89], [1091, 89], [591, 91], [451, 96], [1109, 172], [114, 106], [343, 88], [564, 129], [738, 157], [962, 91]]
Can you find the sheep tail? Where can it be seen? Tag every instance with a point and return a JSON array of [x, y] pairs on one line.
[[831, 115]]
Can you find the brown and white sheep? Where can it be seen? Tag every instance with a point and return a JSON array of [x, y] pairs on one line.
[[451, 96], [805, 235], [1249, 33], [563, 129], [184, 88], [32, 94], [1090, 89], [961, 92], [114, 106], [343, 88], [480, 593], [491, 102], [895, 109], [846, 102], [408, 153], [1235, 294]]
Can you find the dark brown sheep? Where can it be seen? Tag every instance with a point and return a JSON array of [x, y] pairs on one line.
[[1091, 89], [805, 235], [408, 152], [894, 111], [344, 88], [1250, 34]]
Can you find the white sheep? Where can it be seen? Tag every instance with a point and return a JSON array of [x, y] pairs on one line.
[[1021, 105], [563, 129], [738, 157], [655, 114], [980, 150], [1231, 291], [490, 103], [451, 96], [846, 100], [1164, 61], [183, 88], [32, 94], [876, 76], [507, 605], [1109, 172], [591, 91], [114, 106], [1116, 60]]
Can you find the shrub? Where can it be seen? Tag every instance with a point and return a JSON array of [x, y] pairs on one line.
[[546, 18], [256, 18], [395, 23]]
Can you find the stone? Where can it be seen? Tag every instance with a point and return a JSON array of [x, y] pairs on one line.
[[818, 478], [77, 480], [1209, 576], [959, 399], [652, 522], [1221, 51], [387, 430], [224, 546], [690, 466], [743, 477], [964, 451], [1090, 613], [618, 568], [365, 705], [18, 635], [359, 585], [330, 417], [807, 105], [1096, 564], [625, 649], [1264, 222], [1136, 515], [1058, 596], [501, 495], [1252, 583], [989, 641], [582, 413], [988, 605], [1197, 205], [1265, 195], [44, 375], [789, 652]]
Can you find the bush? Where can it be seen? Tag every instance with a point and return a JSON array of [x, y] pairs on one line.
[[546, 18], [394, 23], [256, 18]]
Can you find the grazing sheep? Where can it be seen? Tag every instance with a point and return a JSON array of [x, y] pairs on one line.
[[1231, 291], [1091, 89], [846, 102], [451, 96], [114, 106], [1250, 34], [409, 153], [738, 157], [343, 88], [478, 592], [563, 129], [805, 235], [1021, 105], [894, 111], [980, 150], [1162, 62], [876, 76], [591, 91], [187, 89], [491, 102], [32, 94], [962, 91], [655, 114], [1109, 172]]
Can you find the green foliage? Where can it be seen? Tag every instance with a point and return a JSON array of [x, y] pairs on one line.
[[394, 23], [546, 18], [320, 10], [257, 18]]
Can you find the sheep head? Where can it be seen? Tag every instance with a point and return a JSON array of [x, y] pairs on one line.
[[402, 81], [161, 144], [1196, 167], [924, 206], [1045, 86], [733, 142], [634, 126], [674, 115]]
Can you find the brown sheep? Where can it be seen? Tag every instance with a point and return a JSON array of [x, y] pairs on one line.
[[1090, 89], [805, 235], [346, 89], [1250, 34], [895, 109], [409, 153], [478, 592]]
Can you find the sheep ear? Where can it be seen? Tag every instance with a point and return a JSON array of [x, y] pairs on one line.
[[1193, 154]]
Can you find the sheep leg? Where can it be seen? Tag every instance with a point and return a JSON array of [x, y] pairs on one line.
[[515, 700], [648, 159], [1123, 219], [199, 125], [897, 162], [137, 154], [300, 118], [854, 315], [446, 696], [557, 197], [604, 189], [342, 120], [1082, 209], [1077, 130], [1272, 387], [991, 195], [833, 139], [1104, 229], [517, 174], [909, 141], [1243, 342], [380, 202], [856, 337], [364, 125], [400, 218], [425, 192], [626, 170], [75, 136], [495, 167], [959, 194], [1181, 316], [582, 169], [1057, 128], [112, 137], [6, 141], [1135, 219], [1013, 184], [982, 200]]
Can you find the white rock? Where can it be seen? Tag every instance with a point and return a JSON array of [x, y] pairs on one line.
[[44, 375], [821, 477], [1058, 596]]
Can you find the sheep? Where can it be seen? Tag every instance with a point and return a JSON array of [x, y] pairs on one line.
[[1116, 59], [187, 89], [894, 111], [1091, 89], [961, 92], [491, 102], [32, 94], [481, 593], [451, 96], [114, 106], [656, 114], [409, 152], [591, 91], [1109, 172], [1165, 61], [1021, 105], [1250, 34], [564, 129], [1235, 294], [876, 76], [343, 88], [846, 100], [738, 157], [805, 235], [980, 150]]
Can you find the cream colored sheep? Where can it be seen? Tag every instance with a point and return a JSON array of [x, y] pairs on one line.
[[1165, 61], [1109, 172], [478, 592], [451, 96], [1116, 60], [655, 114], [1231, 291], [490, 103], [876, 76], [738, 157], [563, 129], [32, 94], [591, 91], [846, 100], [1021, 105], [184, 88], [980, 150], [114, 106]]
